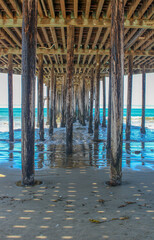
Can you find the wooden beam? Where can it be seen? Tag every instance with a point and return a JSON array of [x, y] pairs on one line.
[[48, 51], [16, 6], [62, 4], [6, 8], [75, 8], [88, 4], [12, 36], [63, 37], [99, 8], [40, 11], [51, 7], [132, 8], [61, 22], [144, 8]]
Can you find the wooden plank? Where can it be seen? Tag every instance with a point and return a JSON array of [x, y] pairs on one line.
[[88, 4], [51, 7], [10, 97], [144, 8], [132, 8], [16, 6], [75, 8], [62, 4], [11, 35], [63, 37], [28, 89], [6, 8], [40, 11], [79, 22], [99, 8]]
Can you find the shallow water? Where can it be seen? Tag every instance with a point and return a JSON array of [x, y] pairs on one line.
[[138, 153]]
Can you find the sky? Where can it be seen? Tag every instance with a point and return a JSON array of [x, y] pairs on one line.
[[136, 97]]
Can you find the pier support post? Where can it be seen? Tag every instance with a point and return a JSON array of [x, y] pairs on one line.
[[63, 102], [29, 41], [55, 109], [41, 100], [83, 101], [48, 89], [117, 78], [143, 100], [10, 97], [97, 98], [90, 128], [104, 102], [129, 97], [70, 72], [108, 147], [51, 105]]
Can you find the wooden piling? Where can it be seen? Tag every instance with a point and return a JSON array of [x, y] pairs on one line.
[[10, 97], [29, 41], [70, 72], [129, 97], [97, 98], [143, 100], [51, 105], [38, 102], [48, 89], [41, 99], [55, 97], [117, 78], [83, 101], [90, 128], [104, 102], [63, 120], [108, 147]]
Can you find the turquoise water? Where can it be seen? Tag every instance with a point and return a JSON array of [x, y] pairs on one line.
[[138, 153], [136, 112]]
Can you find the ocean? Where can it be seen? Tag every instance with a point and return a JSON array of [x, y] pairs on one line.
[[138, 153]]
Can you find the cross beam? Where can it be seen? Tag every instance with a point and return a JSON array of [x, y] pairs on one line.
[[59, 51], [79, 22]]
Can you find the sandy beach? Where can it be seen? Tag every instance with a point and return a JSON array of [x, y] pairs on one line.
[[75, 203]]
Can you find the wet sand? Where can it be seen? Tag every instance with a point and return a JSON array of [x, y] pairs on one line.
[[75, 203]]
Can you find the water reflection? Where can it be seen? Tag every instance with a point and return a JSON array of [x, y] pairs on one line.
[[86, 151]]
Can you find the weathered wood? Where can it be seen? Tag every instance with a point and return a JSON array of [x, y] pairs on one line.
[[143, 100], [108, 146], [74, 103], [97, 98], [41, 98], [29, 41], [83, 101], [55, 110], [104, 103], [48, 100], [70, 71], [38, 101], [91, 22], [63, 120], [117, 78], [129, 97], [90, 128], [10, 97], [60, 51], [51, 121]]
